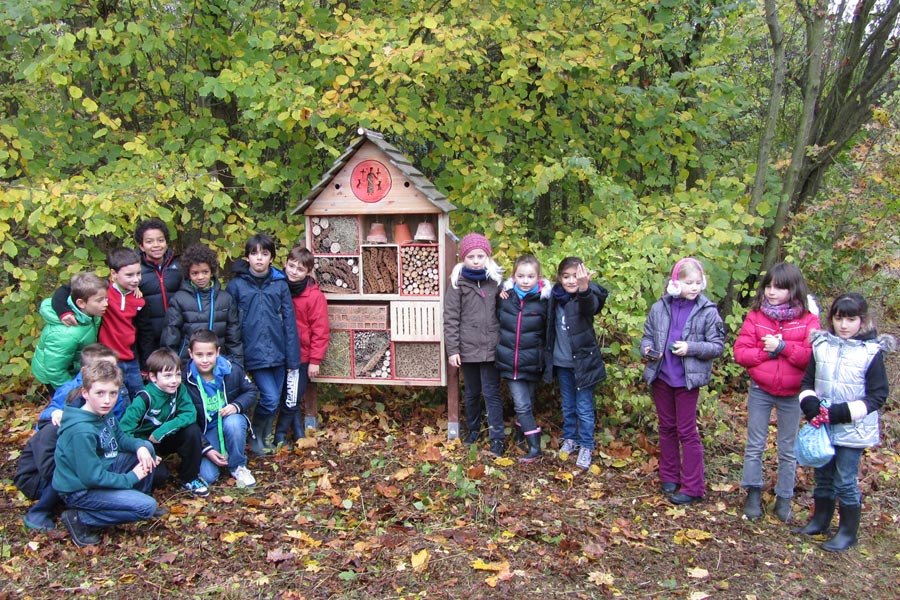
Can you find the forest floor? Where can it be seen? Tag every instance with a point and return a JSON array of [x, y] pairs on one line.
[[379, 504]]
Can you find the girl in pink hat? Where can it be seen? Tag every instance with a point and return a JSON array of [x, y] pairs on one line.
[[682, 335], [471, 333]]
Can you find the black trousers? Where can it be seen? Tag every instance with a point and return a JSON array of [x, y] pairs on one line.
[[186, 443]]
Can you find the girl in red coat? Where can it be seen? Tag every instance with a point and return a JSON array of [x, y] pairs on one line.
[[311, 313], [774, 347]]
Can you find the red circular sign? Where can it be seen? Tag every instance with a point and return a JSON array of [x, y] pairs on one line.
[[370, 181]]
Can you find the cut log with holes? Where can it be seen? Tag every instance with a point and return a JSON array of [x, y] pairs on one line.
[[337, 235], [420, 273], [337, 275]]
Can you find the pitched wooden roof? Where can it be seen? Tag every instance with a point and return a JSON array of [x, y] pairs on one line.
[[416, 177]]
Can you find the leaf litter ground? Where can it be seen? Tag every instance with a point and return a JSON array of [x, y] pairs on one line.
[[379, 504]]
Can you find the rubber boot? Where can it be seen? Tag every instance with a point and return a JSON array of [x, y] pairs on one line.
[[260, 425], [752, 507], [821, 519], [298, 423], [534, 447], [267, 433], [520, 440], [281, 427], [783, 509], [847, 530]]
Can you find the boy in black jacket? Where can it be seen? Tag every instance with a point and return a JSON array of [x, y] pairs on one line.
[[223, 396]]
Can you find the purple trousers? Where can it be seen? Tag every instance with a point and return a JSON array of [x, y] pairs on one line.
[[680, 448]]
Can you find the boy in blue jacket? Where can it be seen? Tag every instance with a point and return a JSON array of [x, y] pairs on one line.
[[102, 474], [271, 342], [223, 397]]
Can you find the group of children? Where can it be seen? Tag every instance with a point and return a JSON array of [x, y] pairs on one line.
[[527, 329], [99, 446], [172, 322]]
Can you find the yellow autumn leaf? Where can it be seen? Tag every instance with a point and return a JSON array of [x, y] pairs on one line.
[[597, 578], [480, 565], [698, 573], [233, 536], [419, 560], [691, 536], [502, 461]]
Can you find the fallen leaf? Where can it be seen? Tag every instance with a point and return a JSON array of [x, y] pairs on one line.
[[698, 596], [419, 560], [698, 573], [388, 491], [597, 578], [404, 473], [232, 536], [277, 556], [166, 559], [502, 461], [691, 536], [475, 472], [480, 565]]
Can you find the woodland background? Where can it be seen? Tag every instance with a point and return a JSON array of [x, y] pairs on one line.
[[630, 133]]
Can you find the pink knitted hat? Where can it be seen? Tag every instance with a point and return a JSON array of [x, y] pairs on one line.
[[674, 286], [474, 241]]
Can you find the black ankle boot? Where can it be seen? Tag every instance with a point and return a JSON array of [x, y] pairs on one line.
[[534, 447], [821, 519], [783, 509], [847, 529], [752, 507]]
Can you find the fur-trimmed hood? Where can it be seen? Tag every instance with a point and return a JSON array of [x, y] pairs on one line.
[[543, 285]]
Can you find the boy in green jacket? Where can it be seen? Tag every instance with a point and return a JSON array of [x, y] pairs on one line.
[[164, 414], [55, 359], [102, 474]]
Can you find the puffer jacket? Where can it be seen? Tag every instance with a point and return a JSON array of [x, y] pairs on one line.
[[158, 284], [704, 332], [523, 328], [311, 315], [192, 309], [58, 354], [471, 328], [579, 315], [850, 371], [779, 376], [268, 326]]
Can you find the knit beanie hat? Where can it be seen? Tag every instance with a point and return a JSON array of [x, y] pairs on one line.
[[473, 241]]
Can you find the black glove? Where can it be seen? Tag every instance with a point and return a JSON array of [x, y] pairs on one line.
[[839, 413], [810, 407]]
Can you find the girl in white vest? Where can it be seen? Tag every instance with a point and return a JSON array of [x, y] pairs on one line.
[[846, 370]]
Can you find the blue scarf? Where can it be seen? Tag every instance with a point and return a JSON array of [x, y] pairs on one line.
[[522, 294], [561, 296], [474, 274]]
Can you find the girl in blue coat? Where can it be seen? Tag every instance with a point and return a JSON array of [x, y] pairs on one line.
[[269, 331]]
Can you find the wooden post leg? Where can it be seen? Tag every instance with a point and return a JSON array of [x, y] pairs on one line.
[[452, 402], [311, 406]]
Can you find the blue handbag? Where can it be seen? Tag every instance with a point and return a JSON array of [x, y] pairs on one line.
[[813, 445]]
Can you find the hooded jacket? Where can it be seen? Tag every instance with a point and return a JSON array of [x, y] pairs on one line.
[[154, 412], [58, 351], [269, 330], [191, 309], [523, 327], [779, 376], [471, 328], [704, 332], [579, 315], [237, 390], [850, 371], [159, 282], [86, 449], [311, 316]]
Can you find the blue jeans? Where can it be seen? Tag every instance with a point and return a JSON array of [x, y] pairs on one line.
[[759, 410], [577, 409], [102, 507], [522, 393], [270, 382], [131, 377], [482, 379], [837, 479], [234, 429]]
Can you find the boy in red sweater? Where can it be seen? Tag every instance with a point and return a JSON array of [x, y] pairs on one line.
[[117, 330], [311, 313]]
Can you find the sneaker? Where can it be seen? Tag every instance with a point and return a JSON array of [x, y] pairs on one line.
[[471, 437], [584, 458], [38, 521], [497, 448], [197, 487], [567, 449], [81, 534], [243, 477]]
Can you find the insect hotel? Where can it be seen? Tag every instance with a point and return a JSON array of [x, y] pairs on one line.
[[379, 231]]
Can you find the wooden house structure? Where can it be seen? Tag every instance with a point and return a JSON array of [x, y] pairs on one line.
[[380, 234]]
